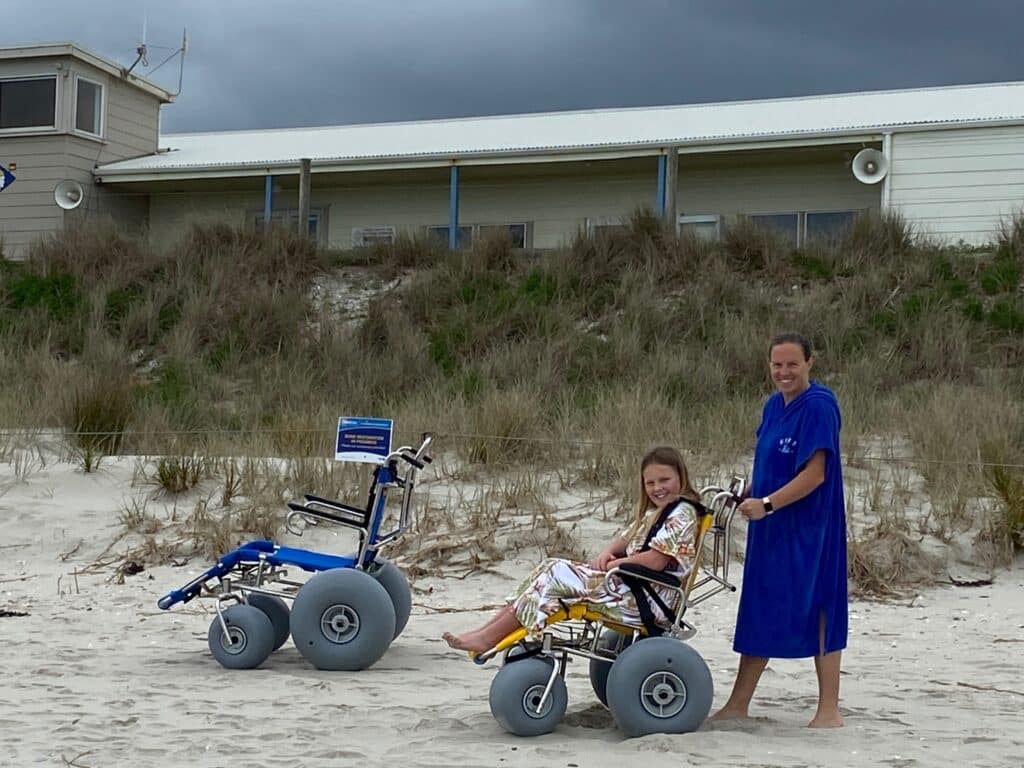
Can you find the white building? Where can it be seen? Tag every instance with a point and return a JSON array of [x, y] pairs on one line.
[[955, 158]]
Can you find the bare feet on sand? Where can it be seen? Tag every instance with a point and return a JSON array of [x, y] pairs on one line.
[[826, 720], [821, 719]]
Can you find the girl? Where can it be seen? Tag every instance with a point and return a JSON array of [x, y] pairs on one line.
[[657, 541]]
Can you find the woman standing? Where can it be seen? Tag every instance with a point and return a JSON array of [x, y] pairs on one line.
[[794, 598]]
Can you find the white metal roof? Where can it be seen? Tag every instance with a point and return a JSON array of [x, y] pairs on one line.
[[573, 135], [47, 50]]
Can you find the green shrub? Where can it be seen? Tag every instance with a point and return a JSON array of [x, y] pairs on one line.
[[57, 294], [1000, 276], [1007, 315]]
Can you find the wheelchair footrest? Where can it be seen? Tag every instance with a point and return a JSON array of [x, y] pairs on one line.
[[252, 554]]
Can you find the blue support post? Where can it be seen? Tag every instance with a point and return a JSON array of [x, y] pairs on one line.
[[659, 203], [453, 208], [268, 200]]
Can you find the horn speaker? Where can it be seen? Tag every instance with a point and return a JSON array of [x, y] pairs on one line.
[[68, 194], [870, 166]]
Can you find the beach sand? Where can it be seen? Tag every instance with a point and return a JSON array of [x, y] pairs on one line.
[[96, 675]]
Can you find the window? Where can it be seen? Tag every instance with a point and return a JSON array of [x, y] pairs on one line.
[[515, 232], [440, 235], [825, 225], [88, 107], [703, 227], [785, 226], [605, 225], [289, 219], [372, 235], [28, 103]]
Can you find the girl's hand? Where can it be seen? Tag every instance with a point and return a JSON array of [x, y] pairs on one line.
[[601, 562]]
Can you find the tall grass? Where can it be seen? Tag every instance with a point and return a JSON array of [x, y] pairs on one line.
[[581, 357]]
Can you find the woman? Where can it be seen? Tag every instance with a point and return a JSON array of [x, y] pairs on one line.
[[794, 598], [661, 537]]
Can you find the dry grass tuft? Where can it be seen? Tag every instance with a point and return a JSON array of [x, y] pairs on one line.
[[887, 559], [1004, 529]]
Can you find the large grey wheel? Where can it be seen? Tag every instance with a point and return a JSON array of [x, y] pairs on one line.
[[342, 619], [659, 685], [612, 643], [394, 581], [278, 613], [516, 692], [250, 637]]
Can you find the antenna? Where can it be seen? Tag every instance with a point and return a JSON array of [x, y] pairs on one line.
[[181, 64], [143, 49]]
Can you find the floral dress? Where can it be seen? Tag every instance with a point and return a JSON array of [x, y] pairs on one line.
[[557, 582]]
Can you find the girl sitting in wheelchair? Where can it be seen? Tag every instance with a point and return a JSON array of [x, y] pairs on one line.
[[660, 538]]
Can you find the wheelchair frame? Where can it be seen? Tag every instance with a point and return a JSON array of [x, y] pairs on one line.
[[577, 630], [261, 567]]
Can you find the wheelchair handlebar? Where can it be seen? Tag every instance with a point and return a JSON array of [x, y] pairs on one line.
[[419, 459]]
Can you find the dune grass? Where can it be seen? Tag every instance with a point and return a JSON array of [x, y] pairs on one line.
[[578, 358]]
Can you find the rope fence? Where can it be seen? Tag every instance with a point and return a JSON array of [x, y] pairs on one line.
[[100, 436]]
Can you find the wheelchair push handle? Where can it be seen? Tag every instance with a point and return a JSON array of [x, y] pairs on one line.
[[738, 489], [419, 459]]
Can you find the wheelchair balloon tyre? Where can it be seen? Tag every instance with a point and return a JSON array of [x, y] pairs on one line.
[[659, 685]]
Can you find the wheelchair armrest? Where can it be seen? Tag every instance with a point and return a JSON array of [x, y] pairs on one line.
[[348, 516], [335, 506], [648, 574]]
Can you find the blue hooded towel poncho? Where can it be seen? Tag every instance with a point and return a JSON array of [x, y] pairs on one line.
[[793, 602]]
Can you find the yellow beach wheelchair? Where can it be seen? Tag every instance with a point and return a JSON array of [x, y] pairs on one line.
[[650, 679]]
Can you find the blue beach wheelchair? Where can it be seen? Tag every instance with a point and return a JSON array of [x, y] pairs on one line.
[[345, 616]]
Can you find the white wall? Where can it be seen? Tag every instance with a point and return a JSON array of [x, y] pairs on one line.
[[45, 158], [555, 200], [957, 184]]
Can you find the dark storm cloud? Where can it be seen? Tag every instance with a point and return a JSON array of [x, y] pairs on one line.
[[315, 62]]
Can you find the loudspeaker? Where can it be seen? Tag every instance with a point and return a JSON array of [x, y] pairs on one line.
[[68, 194], [870, 166]]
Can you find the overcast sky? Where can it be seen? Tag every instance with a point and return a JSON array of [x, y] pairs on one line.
[[277, 64]]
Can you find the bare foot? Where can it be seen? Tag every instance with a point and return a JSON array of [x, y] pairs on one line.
[[826, 720], [467, 642], [725, 713]]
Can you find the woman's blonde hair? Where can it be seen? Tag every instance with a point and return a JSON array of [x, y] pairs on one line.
[[668, 457]]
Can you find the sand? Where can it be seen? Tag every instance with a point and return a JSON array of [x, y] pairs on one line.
[[96, 675]]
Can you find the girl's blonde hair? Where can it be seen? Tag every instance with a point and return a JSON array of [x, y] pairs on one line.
[[668, 457]]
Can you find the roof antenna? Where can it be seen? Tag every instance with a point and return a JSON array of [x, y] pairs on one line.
[[141, 50], [181, 64]]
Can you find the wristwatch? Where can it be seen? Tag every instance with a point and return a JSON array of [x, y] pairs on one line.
[[768, 508]]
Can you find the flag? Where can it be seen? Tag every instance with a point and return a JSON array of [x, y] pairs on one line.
[[6, 178]]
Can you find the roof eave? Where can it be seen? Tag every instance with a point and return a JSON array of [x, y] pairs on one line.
[[51, 50], [544, 155], [496, 157]]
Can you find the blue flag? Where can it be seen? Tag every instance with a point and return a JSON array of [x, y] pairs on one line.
[[6, 178]]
